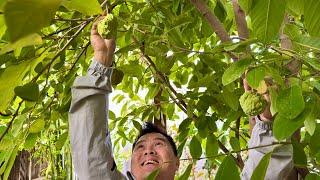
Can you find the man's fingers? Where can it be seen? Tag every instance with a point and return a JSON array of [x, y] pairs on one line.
[[94, 30], [94, 26]]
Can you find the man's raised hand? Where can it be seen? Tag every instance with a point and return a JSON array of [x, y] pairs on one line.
[[103, 48]]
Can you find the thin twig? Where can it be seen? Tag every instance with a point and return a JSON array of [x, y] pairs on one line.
[[72, 20], [78, 58], [61, 50], [231, 152]]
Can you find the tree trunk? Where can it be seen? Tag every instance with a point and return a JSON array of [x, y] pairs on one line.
[[24, 168]]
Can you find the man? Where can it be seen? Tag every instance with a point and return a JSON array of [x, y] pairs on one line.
[[153, 149], [90, 140]]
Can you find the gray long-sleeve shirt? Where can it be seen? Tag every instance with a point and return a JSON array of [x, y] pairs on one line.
[[88, 119]]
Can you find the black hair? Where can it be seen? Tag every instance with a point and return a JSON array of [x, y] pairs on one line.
[[148, 128]]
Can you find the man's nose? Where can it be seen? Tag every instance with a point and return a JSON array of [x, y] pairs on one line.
[[149, 150]]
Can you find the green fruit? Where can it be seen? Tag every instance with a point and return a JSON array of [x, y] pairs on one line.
[[252, 104], [107, 27]]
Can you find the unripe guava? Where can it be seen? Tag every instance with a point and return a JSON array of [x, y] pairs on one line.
[[252, 103], [107, 27]]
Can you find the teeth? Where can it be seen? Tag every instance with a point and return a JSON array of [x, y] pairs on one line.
[[151, 162]]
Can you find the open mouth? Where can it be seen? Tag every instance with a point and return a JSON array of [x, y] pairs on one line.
[[148, 162]]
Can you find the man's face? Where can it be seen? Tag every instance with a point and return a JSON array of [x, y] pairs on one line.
[[153, 151]]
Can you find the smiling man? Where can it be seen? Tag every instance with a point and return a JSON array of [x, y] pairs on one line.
[[90, 139], [154, 149]]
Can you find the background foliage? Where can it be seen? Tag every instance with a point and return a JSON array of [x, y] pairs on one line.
[[190, 55]]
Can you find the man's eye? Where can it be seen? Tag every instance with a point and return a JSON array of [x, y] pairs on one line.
[[140, 146], [159, 144]]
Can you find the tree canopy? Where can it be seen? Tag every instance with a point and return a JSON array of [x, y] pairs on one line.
[[186, 56]]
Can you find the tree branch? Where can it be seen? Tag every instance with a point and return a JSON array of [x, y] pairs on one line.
[[285, 42], [241, 22], [213, 21]]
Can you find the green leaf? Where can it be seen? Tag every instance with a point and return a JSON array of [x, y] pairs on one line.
[[7, 142], [202, 125], [17, 125], [312, 17], [3, 26], [186, 173], [134, 69], [311, 112], [299, 156], [231, 99], [314, 63], [4, 158], [164, 64], [273, 98], [24, 17], [314, 141], [170, 110], [275, 74], [10, 163], [29, 92], [255, 76], [245, 5], [260, 171], [195, 148], [181, 147], [137, 125], [310, 125], [37, 126], [220, 11], [30, 141], [32, 39], [9, 79], [153, 175], [284, 127], [61, 141], [153, 91], [308, 42], [290, 102], [228, 170], [235, 71], [267, 16], [295, 6], [312, 176], [2, 3], [89, 8], [212, 146], [234, 142]]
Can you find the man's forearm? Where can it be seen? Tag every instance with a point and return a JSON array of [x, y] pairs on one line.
[[92, 155]]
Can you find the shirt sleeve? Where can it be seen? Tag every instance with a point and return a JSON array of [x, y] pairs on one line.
[[88, 119]]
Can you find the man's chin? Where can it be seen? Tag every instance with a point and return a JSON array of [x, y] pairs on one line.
[[150, 168]]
